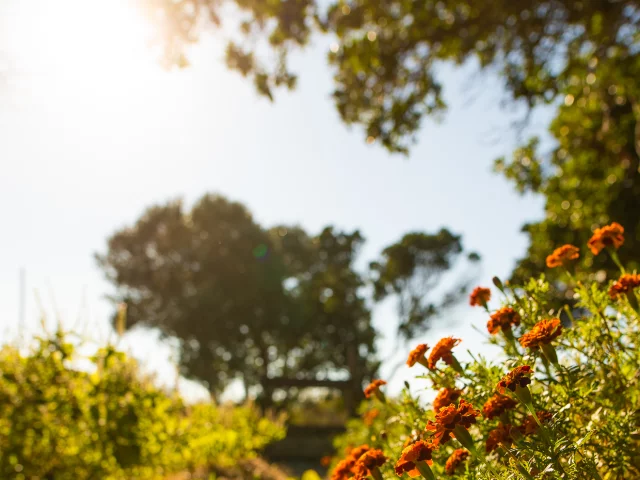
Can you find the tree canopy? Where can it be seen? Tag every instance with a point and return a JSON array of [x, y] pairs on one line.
[[580, 56], [386, 53], [249, 302]]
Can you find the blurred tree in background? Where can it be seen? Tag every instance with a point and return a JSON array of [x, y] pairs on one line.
[[581, 56], [254, 303]]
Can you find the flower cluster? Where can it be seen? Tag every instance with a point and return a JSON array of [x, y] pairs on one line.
[[368, 462], [413, 454], [480, 297], [522, 432], [542, 333], [448, 418], [502, 320], [627, 283], [370, 416], [456, 459], [417, 354], [345, 468], [607, 236], [442, 351], [497, 405], [562, 256], [518, 377], [374, 388], [445, 397], [501, 435]]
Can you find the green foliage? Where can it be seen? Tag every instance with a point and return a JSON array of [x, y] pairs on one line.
[[592, 394], [387, 53], [252, 303], [591, 175], [107, 421], [582, 56]]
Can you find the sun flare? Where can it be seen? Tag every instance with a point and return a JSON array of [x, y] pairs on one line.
[[73, 38]]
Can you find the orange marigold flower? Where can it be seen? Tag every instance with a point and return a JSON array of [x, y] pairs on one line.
[[498, 436], [447, 419], [625, 284], [497, 405], [370, 416], [542, 333], [419, 451], [563, 255], [368, 461], [530, 426], [325, 461], [518, 377], [442, 351], [455, 460], [503, 319], [445, 397], [356, 453], [373, 387], [609, 235], [479, 297], [417, 354], [345, 468]]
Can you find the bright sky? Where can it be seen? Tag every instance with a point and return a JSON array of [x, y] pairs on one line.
[[92, 131]]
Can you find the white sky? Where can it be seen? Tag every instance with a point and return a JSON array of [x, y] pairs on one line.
[[92, 131]]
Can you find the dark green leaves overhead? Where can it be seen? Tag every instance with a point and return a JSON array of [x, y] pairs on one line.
[[386, 53]]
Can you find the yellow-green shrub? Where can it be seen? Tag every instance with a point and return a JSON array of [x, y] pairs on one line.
[[58, 422]]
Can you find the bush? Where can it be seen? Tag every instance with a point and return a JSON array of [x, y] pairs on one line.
[[574, 414], [58, 422]]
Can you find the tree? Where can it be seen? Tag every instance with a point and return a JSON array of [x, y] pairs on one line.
[[581, 55], [591, 176], [255, 304], [206, 277], [386, 56]]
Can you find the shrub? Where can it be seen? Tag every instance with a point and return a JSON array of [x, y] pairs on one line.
[[561, 401], [58, 422]]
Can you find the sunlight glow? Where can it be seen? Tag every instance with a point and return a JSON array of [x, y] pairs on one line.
[[94, 34], [106, 42]]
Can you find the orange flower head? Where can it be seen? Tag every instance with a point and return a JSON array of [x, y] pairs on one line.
[[370, 416], [417, 354], [542, 333], [530, 426], [455, 460], [368, 461], [518, 377], [445, 397], [497, 405], [342, 471], [609, 235], [479, 297], [447, 419], [345, 468], [325, 461], [442, 351], [373, 387], [419, 451], [625, 284], [498, 436], [562, 256], [503, 319]]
